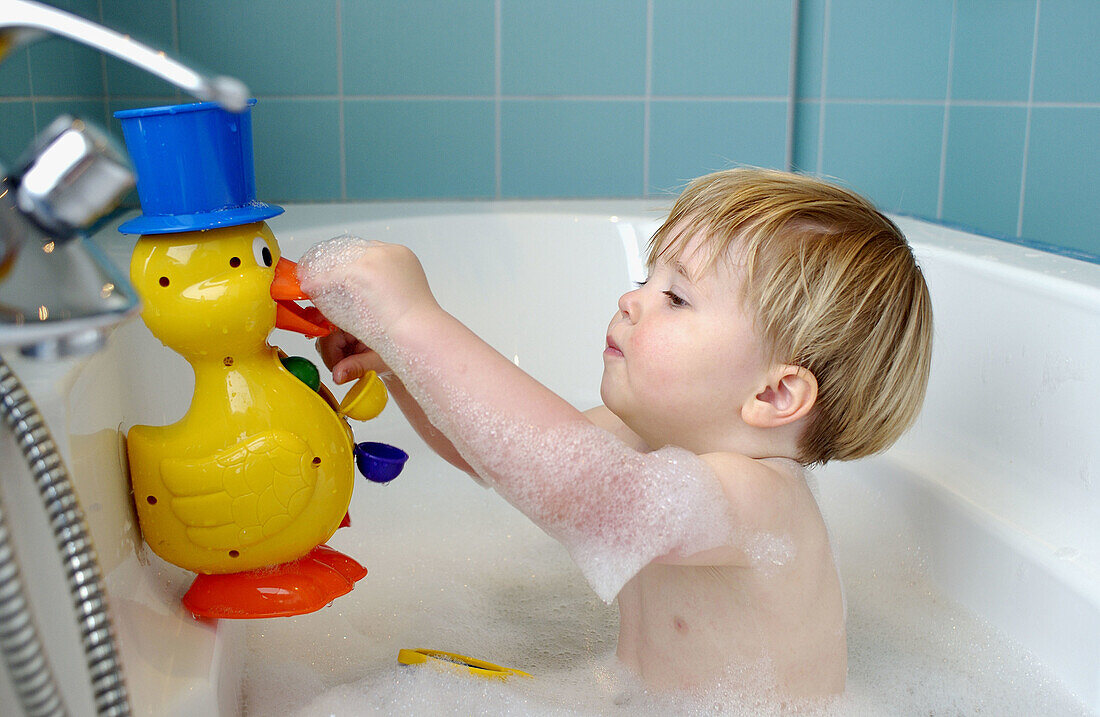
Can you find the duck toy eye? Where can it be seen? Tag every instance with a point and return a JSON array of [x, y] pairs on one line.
[[261, 251]]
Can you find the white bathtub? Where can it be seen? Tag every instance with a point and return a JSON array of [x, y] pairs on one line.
[[990, 505]]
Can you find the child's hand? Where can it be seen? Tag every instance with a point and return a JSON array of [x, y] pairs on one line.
[[348, 357], [367, 286]]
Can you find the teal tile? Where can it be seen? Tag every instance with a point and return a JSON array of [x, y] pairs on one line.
[[17, 119], [1060, 195], [419, 148], [1068, 52], [283, 48], [15, 74], [688, 139], [296, 146], [985, 153], [993, 44], [888, 49], [45, 111], [811, 42], [571, 148], [806, 116], [150, 22], [573, 47], [890, 153], [721, 47], [63, 68], [418, 47]]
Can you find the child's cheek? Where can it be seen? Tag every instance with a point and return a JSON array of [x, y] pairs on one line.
[[656, 351]]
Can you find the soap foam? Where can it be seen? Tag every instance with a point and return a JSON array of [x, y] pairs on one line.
[[453, 567]]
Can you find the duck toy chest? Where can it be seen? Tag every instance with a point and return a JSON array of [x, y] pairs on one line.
[[245, 488]]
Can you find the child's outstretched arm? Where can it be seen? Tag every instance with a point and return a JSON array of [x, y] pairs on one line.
[[614, 507]]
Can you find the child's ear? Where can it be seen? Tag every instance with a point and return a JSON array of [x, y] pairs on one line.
[[790, 394]]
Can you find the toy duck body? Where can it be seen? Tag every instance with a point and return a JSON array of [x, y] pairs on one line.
[[259, 471]]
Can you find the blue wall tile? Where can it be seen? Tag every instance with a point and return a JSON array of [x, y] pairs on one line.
[[888, 49], [985, 153], [419, 148], [892, 53], [276, 48], [1060, 193], [806, 123], [61, 67], [296, 145], [749, 55], [15, 74], [573, 47], [572, 149], [418, 47], [993, 43], [45, 111], [891, 153], [688, 139], [151, 22], [17, 119], [1068, 52]]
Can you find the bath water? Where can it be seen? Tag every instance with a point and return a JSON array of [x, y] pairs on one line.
[[453, 567]]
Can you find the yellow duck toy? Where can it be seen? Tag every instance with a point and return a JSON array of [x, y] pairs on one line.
[[258, 474]]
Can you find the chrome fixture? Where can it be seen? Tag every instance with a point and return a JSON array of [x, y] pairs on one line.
[[59, 296], [22, 21]]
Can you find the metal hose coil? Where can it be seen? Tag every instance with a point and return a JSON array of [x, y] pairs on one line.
[[77, 553]]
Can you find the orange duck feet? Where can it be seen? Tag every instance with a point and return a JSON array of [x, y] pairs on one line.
[[295, 588]]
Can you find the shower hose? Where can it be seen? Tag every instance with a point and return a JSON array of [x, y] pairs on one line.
[[32, 678]]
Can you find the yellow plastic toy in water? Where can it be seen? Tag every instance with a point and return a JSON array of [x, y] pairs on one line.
[[258, 474], [460, 663]]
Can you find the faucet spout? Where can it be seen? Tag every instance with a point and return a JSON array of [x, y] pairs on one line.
[[22, 20]]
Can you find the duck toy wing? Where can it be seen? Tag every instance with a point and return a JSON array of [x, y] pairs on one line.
[[242, 494]]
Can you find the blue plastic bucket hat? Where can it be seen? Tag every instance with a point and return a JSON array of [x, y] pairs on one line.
[[194, 168]]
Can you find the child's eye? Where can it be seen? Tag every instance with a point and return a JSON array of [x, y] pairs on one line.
[[641, 283], [674, 299]]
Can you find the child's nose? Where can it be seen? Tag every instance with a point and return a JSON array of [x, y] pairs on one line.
[[628, 304]]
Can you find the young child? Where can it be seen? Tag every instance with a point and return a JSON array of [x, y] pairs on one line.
[[784, 323]]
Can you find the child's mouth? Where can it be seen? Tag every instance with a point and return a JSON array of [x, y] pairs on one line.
[[612, 349]]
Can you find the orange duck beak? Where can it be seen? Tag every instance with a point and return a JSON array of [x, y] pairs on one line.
[[285, 290]]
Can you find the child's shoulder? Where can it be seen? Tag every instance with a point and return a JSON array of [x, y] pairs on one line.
[[762, 493]]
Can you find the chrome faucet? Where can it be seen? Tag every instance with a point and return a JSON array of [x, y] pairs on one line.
[[22, 21], [59, 296]]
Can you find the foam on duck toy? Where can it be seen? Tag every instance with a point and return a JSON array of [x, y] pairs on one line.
[[257, 475]]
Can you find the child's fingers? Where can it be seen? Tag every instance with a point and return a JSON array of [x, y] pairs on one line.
[[355, 366], [338, 345]]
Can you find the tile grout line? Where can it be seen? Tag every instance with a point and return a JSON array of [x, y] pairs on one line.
[[176, 38], [647, 103], [792, 84], [103, 74], [343, 146], [1027, 122], [6, 99], [498, 149], [824, 82], [947, 109]]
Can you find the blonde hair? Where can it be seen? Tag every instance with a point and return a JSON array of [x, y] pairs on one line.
[[833, 287]]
